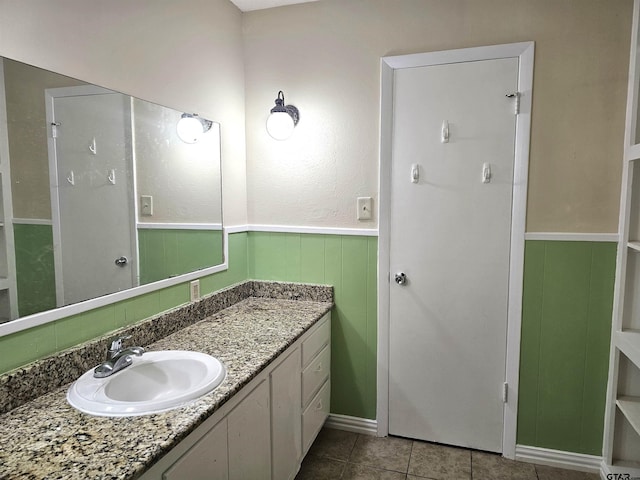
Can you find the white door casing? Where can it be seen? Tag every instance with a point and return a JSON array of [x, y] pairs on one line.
[[92, 193], [523, 55]]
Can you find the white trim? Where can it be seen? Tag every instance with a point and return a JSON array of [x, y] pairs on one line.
[[236, 228], [351, 424], [525, 54], [572, 237], [31, 221], [490, 52], [367, 232], [558, 458], [179, 226]]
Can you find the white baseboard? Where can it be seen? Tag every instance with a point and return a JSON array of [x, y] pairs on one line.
[[558, 458], [352, 424]]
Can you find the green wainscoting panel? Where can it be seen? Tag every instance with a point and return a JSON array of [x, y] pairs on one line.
[[35, 274], [349, 263], [29, 345], [566, 321], [166, 253], [567, 302], [237, 271]]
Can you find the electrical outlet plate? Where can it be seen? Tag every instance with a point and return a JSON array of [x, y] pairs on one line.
[[195, 290]]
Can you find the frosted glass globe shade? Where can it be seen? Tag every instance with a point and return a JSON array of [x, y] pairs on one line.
[[189, 129], [280, 125]]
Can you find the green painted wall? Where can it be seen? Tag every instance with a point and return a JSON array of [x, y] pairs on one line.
[[566, 321], [165, 253], [35, 275], [349, 263], [568, 295], [23, 347], [568, 291]]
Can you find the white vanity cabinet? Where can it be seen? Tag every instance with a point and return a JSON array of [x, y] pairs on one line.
[[316, 387], [249, 436], [286, 410], [264, 430], [207, 459]]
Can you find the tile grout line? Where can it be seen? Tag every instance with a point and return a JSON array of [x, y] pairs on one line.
[[406, 475], [346, 464]]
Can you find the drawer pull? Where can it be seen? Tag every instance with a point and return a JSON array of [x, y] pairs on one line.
[[319, 406], [319, 367]]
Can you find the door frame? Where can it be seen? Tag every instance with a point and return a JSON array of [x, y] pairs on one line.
[[524, 51], [76, 91]]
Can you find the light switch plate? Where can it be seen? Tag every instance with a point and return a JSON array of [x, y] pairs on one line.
[[146, 205], [365, 206]]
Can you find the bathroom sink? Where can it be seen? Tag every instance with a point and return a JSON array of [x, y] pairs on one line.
[[155, 382]]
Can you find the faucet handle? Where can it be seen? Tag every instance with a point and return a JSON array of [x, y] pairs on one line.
[[116, 345]]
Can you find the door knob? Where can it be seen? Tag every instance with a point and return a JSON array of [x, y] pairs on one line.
[[121, 262], [400, 278]]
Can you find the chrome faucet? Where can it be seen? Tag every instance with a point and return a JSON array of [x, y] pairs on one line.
[[117, 358]]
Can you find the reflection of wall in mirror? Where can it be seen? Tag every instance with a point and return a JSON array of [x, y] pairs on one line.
[[187, 235], [168, 167], [164, 252], [27, 130], [27, 135]]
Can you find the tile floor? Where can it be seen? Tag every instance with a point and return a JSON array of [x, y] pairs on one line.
[[349, 456]]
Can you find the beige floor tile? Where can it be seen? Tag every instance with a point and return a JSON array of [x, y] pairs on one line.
[[551, 473], [440, 462], [319, 468], [390, 453], [362, 472], [490, 466], [333, 443]]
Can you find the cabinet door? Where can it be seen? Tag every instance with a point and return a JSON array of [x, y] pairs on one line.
[[249, 436], [206, 460], [286, 417]]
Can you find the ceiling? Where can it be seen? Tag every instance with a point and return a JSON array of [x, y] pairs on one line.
[[246, 5]]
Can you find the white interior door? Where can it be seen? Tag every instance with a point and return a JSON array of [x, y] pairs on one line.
[[94, 193], [450, 236]]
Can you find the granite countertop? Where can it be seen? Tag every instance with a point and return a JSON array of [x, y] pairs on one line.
[[47, 438]]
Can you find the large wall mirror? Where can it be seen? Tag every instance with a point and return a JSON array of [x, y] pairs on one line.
[[100, 194]]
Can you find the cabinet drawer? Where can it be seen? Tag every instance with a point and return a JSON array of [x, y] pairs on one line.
[[318, 339], [314, 416], [315, 374]]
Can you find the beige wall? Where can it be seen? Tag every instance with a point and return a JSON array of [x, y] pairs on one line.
[[186, 55], [326, 57], [27, 132]]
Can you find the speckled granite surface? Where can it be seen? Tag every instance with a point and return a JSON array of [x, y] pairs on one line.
[[47, 438], [37, 378]]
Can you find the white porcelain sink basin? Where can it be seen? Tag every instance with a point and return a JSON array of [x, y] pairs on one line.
[[153, 383]]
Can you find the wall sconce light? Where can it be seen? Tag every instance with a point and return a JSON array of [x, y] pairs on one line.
[[283, 119], [191, 127]]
